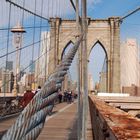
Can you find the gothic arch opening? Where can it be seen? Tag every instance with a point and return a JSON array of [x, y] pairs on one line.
[[98, 68], [71, 77], [68, 46]]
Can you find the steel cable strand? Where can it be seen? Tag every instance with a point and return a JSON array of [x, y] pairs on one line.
[[74, 49], [60, 80], [32, 107], [34, 121], [35, 104], [32, 135], [18, 130], [66, 62], [37, 117]]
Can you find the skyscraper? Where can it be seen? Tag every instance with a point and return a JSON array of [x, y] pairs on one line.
[[7, 81], [90, 82], [42, 64], [129, 54]]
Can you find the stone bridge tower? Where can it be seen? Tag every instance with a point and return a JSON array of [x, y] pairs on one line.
[[106, 32]]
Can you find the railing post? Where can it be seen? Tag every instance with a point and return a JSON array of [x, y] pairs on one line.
[[78, 71], [84, 67]]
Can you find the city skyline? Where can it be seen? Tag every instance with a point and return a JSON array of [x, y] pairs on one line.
[[118, 8]]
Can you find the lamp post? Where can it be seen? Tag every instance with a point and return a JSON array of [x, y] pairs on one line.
[[18, 31]]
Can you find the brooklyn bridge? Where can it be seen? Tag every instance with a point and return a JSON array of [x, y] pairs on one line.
[[67, 75]]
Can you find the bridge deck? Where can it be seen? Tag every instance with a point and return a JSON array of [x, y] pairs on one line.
[[61, 125]]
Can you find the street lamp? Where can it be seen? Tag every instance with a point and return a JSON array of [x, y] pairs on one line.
[[18, 31]]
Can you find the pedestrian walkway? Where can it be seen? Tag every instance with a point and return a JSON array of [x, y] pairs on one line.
[[62, 125], [89, 133]]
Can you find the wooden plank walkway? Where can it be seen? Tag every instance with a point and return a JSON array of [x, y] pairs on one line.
[[89, 128], [5, 124], [61, 125]]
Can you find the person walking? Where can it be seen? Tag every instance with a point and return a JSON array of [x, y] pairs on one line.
[[28, 95], [38, 89], [60, 95]]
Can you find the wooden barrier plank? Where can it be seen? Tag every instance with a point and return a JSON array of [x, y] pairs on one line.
[[113, 123]]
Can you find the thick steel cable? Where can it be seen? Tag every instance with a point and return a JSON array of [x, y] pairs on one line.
[[33, 50], [42, 3], [39, 102], [7, 47], [129, 14], [22, 23], [59, 81]]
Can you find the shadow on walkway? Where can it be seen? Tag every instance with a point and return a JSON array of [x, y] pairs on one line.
[[73, 131]]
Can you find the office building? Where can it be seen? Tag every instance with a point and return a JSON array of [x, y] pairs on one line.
[[129, 54]]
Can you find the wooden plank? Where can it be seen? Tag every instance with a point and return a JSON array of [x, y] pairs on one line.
[[130, 99], [89, 133]]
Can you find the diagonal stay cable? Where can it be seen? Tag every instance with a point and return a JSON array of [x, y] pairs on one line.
[[15, 4], [26, 47], [36, 59], [20, 48], [31, 121]]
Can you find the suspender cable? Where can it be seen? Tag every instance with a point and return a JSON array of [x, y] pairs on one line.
[[22, 23], [46, 60], [85, 81], [27, 10], [78, 71], [48, 8], [42, 3], [7, 48], [52, 8], [32, 67]]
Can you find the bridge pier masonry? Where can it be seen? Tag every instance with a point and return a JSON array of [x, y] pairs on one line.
[[106, 32]]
